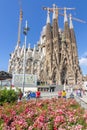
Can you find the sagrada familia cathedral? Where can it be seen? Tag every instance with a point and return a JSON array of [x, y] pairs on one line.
[[54, 59]]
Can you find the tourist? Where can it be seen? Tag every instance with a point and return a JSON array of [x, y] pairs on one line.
[[25, 95], [64, 94], [83, 92], [38, 94], [20, 94], [79, 93], [71, 95], [76, 92], [59, 94], [28, 95]]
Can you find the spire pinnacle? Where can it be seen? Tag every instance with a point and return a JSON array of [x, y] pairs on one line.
[[48, 16], [71, 24], [26, 26], [29, 46], [65, 16], [26, 29], [54, 11], [34, 47]]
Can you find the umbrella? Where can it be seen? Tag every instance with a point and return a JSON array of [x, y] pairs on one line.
[[5, 75]]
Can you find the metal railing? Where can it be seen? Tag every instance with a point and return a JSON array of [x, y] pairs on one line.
[[82, 101]]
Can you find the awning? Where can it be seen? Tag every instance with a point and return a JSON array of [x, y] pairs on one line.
[[5, 75]]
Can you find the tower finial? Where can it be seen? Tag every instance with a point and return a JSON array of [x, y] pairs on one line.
[[65, 16], [29, 46], [26, 29], [48, 16], [54, 11], [71, 24]]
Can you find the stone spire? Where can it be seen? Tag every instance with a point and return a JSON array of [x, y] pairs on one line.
[[77, 70], [33, 53], [55, 22], [48, 29], [48, 16], [54, 11], [55, 44], [65, 16], [22, 50], [73, 39], [34, 47], [49, 44], [71, 24], [16, 48], [29, 46], [66, 26], [70, 72]]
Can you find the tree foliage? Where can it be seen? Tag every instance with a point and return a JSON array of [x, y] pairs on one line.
[[9, 96]]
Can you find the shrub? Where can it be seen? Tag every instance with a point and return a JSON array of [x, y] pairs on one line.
[[9, 96], [47, 114]]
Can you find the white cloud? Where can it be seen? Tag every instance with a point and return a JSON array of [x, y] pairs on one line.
[[83, 61]]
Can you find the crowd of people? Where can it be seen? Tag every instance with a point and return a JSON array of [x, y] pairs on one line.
[[28, 95], [78, 92], [61, 94]]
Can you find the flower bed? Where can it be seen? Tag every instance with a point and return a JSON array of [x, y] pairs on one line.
[[49, 114]]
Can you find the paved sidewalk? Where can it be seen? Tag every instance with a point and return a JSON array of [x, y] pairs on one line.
[[81, 100]]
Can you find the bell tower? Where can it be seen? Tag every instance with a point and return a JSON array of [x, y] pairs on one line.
[[55, 70], [77, 70], [49, 46], [69, 77]]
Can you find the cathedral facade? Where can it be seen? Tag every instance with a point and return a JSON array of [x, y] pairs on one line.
[[54, 59]]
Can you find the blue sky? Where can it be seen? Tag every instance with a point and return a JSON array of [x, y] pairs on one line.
[[36, 16]]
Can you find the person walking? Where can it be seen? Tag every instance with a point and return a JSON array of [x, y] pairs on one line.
[[59, 94], [64, 94], [38, 94], [20, 95]]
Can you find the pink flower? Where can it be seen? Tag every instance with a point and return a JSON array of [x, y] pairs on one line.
[[30, 128], [58, 120], [60, 111], [13, 112], [78, 127]]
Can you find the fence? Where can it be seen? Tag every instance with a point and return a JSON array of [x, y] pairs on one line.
[[81, 101]]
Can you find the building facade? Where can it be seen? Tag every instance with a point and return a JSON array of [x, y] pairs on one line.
[[54, 58]]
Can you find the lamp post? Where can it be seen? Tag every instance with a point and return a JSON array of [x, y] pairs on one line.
[[26, 29]]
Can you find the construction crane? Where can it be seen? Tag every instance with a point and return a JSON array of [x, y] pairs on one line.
[[73, 18], [76, 19], [20, 22], [56, 9]]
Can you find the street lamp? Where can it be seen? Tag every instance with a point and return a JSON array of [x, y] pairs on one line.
[[26, 29]]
